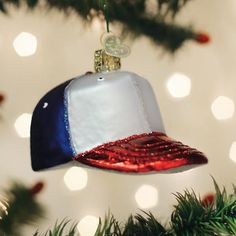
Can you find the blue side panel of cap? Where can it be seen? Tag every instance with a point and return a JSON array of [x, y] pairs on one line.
[[50, 139]]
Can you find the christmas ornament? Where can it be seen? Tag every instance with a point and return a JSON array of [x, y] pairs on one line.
[[20, 208], [202, 38], [36, 188], [110, 120], [2, 98], [208, 199]]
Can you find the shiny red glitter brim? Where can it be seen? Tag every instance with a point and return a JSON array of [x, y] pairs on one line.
[[152, 152]]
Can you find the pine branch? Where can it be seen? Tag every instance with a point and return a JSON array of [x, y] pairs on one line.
[[61, 229], [172, 6], [144, 225], [109, 227], [132, 14], [191, 217], [21, 209]]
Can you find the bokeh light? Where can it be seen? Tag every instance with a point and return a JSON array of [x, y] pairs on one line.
[[232, 152], [22, 125], [146, 196], [222, 108], [76, 178], [25, 44], [179, 85], [88, 225], [96, 24]]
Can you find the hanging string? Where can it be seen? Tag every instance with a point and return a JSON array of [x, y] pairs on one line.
[[106, 14]]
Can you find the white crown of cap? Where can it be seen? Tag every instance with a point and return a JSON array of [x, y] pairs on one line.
[[110, 106]]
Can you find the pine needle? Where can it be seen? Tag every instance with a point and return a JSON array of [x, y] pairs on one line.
[[160, 27], [22, 209]]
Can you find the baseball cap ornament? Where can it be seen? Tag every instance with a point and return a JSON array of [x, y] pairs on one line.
[[109, 119]]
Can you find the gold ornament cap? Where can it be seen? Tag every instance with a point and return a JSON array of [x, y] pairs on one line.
[[105, 62]]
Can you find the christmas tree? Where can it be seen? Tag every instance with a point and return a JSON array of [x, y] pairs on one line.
[[213, 215], [136, 18]]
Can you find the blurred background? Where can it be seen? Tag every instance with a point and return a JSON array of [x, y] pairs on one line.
[[195, 89]]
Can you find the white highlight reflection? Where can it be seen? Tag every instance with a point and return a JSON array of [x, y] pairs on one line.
[[76, 178], [179, 85], [222, 108], [146, 196], [25, 44], [22, 125], [88, 225], [232, 152]]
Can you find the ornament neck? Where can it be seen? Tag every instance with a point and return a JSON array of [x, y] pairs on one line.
[[104, 62]]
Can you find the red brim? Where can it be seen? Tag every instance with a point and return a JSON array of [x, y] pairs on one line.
[[153, 152]]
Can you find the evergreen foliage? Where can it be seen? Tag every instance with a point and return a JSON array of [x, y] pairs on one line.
[[59, 229], [190, 217], [19, 209], [158, 25]]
